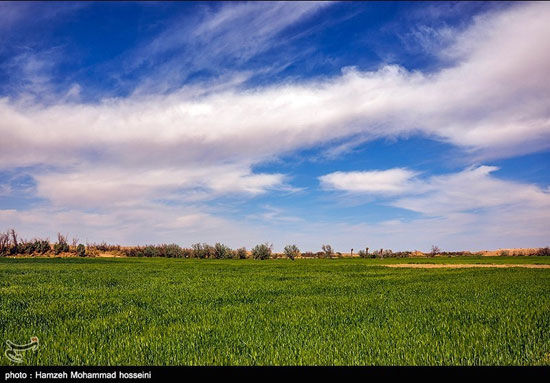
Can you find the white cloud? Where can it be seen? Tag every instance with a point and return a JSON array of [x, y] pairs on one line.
[[392, 181], [493, 99], [470, 209], [485, 102], [471, 189], [475, 188], [107, 186]]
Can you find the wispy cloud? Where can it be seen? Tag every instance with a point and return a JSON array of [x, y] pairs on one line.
[[218, 42]]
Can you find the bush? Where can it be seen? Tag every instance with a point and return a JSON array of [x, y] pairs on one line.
[[61, 246], [292, 251], [170, 251], [262, 251], [202, 250], [151, 251], [103, 247], [327, 251], [543, 251], [25, 247], [241, 253], [434, 251], [42, 246], [187, 253], [222, 252], [81, 250]]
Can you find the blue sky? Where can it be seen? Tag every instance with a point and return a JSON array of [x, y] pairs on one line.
[[380, 124]]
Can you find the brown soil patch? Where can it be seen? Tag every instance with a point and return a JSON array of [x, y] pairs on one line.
[[462, 266]]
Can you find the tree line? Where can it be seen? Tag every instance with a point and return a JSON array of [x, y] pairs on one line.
[[12, 244]]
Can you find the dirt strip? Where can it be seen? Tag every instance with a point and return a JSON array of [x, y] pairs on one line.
[[463, 265]]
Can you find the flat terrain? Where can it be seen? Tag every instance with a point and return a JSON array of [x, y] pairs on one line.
[[157, 311], [464, 266]]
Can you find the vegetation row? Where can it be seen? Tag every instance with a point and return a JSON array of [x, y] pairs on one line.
[[11, 244]]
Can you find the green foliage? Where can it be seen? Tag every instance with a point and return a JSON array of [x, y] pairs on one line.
[[42, 246], [202, 250], [307, 312], [327, 251], [222, 252], [291, 251], [61, 246], [81, 250], [170, 251], [241, 253], [262, 251]]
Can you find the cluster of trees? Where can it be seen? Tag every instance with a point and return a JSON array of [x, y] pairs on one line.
[[12, 244], [198, 250]]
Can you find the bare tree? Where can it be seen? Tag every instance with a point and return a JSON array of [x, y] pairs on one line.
[[4, 242], [61, 239], [13, 235], [435, 250]]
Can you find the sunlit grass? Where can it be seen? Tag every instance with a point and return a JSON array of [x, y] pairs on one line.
[[275, 312]]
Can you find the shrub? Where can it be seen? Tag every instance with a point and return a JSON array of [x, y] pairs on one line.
[[26, 247], [42, 246], [135, 251], [61, 246], [222, 252], [81, 250], [308, 254], [187, 253], [151, 251], [169, 251], [543, 251], [202, 250], [504, 253], [292, 251], [92, 252], [327, 251], [241, 253], [103, 247], [262, 251], [435, 250]]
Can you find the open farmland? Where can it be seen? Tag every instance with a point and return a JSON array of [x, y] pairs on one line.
[[158, 311]]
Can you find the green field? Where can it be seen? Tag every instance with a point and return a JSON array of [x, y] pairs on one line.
[[276, 312]]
